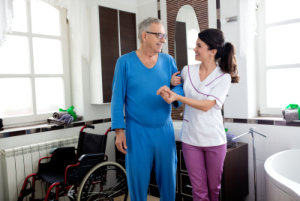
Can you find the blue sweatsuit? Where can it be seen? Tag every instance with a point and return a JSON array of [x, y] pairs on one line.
[[149, 129]]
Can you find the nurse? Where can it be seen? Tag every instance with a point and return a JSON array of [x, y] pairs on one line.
[[206, 86]]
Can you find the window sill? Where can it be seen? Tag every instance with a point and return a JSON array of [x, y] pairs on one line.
[[44, 127], [275, 121]]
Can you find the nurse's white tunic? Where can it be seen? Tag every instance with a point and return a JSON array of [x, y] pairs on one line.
[[204, 128]]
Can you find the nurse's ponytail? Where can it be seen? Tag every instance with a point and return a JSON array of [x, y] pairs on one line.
[[225, 55]]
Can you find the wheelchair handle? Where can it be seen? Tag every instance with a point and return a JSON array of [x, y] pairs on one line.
[[90, 126], [107, 131], [93, 127], [87, 126]]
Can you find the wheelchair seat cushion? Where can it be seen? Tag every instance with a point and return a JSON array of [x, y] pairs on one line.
[[52, 177]]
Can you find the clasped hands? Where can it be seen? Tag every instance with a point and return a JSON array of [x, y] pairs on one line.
[[166, 93]]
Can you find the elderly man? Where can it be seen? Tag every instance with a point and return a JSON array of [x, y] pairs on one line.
[[149, 141]]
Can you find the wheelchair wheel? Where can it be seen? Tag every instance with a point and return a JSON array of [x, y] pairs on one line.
[[104, 182]]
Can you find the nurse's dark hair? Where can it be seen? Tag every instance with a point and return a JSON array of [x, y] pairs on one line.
[[225, 55]]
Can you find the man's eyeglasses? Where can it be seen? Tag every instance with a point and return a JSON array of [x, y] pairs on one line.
[[158, 35]]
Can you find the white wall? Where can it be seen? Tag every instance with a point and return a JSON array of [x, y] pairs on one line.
[[241, 101]]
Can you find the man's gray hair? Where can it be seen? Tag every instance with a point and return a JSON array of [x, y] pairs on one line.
[[145, 24]]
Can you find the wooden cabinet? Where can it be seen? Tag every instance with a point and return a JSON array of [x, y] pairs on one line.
[[235, 185], [234, 179]]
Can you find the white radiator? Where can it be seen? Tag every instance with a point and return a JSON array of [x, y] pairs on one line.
[[19, 162]]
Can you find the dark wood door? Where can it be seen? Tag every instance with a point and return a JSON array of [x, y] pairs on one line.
[[114, 24], [180, 45], [127, 32], [109, 43]]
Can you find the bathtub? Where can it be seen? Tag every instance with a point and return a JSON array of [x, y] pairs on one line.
[[283, 176]]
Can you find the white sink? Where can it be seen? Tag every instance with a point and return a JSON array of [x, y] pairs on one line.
[[177, 128]]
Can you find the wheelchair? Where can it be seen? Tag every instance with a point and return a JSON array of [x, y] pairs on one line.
[[84, 174]]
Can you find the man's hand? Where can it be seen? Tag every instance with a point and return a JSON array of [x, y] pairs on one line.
[[121, 140]]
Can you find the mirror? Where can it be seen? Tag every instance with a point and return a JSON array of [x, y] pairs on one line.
[[186, 33]]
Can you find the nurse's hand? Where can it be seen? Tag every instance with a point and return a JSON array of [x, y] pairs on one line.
[[167, 94], [176, 79], [121, 140]]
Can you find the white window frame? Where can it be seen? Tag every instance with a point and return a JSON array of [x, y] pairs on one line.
[[261, 62], [64, 38]]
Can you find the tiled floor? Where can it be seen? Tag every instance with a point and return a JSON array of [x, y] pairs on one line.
[[151, 198]]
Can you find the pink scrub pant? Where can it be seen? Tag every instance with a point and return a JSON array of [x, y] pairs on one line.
[[205, 167]]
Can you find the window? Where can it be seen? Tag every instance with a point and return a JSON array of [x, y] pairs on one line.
[[34, 75], [278, 54]]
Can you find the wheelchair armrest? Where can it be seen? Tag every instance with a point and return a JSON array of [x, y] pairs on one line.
[[44, 158], [53, 151], [60, 150], [88, 157]]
